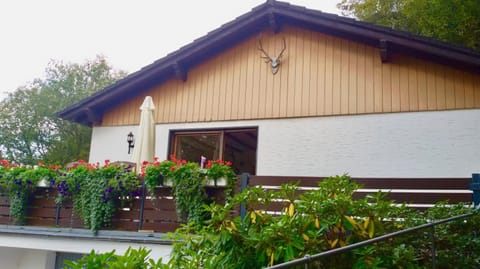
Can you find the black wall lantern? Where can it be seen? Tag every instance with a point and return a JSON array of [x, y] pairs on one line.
[[130, 142]]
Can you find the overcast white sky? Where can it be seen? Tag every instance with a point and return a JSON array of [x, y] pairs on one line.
[[130, 34]]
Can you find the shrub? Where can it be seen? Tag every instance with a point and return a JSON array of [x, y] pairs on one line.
[[320, 220], [132, 258], [317, 221]]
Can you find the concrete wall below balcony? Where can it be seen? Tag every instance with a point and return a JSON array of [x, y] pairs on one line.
[[18, 258], [36, 247], [417, 144]]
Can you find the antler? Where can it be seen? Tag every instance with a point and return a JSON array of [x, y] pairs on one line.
[[283, 49], [260, 48], [274, 61]]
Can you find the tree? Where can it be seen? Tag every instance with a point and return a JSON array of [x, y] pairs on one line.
[[30, 129], [453, 21]]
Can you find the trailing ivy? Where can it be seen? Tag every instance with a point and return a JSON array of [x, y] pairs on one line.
[[20, 183], [188, 181], [189, 193], [97, 191]]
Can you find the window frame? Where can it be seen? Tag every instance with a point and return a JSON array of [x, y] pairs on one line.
[[201, 131]]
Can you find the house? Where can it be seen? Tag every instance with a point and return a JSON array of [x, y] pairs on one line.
[[346, 96]]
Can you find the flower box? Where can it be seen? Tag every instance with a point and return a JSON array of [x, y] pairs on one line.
[[167, 183], [220, 182]]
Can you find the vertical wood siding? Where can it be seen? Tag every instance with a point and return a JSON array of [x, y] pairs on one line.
[[319, 75]]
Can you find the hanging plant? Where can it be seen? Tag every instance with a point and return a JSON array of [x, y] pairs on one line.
[[97, 191], [189, 191], [188, 183], [20, 183]]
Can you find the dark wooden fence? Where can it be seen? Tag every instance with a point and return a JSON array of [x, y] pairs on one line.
[[416, 192], [159, 214]]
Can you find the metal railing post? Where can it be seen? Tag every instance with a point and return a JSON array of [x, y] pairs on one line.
[[57, 215], [243, 206], [142, 205], [433, 249], [307, 264], [475, 187]]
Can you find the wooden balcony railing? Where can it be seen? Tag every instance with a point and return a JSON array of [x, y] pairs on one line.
[[159, 214]]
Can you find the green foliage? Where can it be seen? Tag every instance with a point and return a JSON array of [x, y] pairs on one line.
[[97, 191], [316, 221], [157, 173], [453, 21], [20, 183], [188, 184], [189, 192], [93, 260], [30, 129], [221, 170], [131, 259]]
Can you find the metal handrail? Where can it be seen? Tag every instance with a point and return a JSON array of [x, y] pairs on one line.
[[309, 258]]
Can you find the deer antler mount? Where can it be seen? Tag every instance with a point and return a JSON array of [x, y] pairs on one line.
[[275, 60]]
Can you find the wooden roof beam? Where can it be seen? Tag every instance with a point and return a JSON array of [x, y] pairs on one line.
[[385, 51], [180, 71], [273, 23]]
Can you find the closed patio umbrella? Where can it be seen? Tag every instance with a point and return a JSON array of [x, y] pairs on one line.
[[145, 139]]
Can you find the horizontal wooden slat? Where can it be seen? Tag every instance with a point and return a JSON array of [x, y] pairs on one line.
[[161, 204], [5, 220], [277, 181], [155, 215], [42, 212], [43, 201], [4, 201], [380, 183], [424, 198], [273, 207], [41, 222], [4, 210], [414, 183], [126, 215], [124, 225], [161, 226]]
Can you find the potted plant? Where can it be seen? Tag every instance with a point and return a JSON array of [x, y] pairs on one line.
[[157, 174]]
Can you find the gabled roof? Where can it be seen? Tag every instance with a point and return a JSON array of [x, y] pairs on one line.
[[270, 15]]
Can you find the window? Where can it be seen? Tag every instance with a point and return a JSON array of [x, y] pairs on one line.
[[238, 146]]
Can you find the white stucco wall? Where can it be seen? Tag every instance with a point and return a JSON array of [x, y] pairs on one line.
[[18, 258], [418, 144], [22, 248]]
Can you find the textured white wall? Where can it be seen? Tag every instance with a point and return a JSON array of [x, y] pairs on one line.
[[110, 143], [419, 144], [18, 258], [25, 247]]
